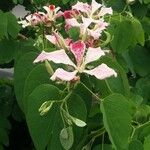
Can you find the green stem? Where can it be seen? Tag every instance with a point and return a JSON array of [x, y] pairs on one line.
[[91, 92]]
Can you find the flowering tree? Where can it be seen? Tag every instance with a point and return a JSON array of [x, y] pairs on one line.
[[77, 75]]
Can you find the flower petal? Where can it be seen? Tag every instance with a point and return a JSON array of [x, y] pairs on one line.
[[93, 54], [51, 38], [95, 6], [101, 72], [95, 33], [83, 7], [105, 11], [63, 75], [78, 49], [72, 22], [57, 57], [86, 21]]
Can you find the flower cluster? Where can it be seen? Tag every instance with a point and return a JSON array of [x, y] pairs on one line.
[[37, 18], [90, 20]]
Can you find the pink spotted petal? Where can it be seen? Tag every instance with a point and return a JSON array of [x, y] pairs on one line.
[[95, 6], [101, 72], [78, 49], [93, 54], [58, 57], [105, 11], [82, 7], [63, 75], [51, 38]]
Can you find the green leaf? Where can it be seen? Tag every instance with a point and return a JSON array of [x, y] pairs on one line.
[[123, 36], [141, 66], [117, 120], [65, 1], [12, 25], [22, 69], [138, 32], [77, 107], [67, 137], [36, 77], [147, 143], [135, 145], [44, 130], [7, 52], [3, 25], [74, 33]]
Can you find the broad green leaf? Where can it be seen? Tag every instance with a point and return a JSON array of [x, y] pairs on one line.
[[77, 107], [147, 143], [67, 137], [123, 36], [135, 145], [74, 33], [7, 51], [44, 130], [36, 77], [12, 25], [117, 5], [117, 120], [3, 25], [21, 71], [139, 10], [138, 32], [140, 59]]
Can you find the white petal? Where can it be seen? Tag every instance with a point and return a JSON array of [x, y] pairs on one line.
[[95, 6], [86, 21], [95, 33], [101, 72], [63, 75], [57, 57], [72, 22], [93, 54], [46, 8], [51, 38], [80, 6], [105, 11]]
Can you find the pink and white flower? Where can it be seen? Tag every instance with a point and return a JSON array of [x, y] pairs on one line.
[[82, 57], [58, 40], [52, 12], [32, 20]]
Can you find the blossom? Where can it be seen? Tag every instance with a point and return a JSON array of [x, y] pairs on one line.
[[82, 57], [58, 40], [90, 10], [32, 19], [68, 14], [52, 12]]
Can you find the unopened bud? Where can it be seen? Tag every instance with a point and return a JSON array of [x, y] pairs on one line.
[[130, 2], [45, 107]]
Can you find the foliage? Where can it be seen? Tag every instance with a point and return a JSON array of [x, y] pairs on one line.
[[85, 114]]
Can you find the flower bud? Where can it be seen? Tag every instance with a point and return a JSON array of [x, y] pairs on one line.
[[130, 2], [45, 107]]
